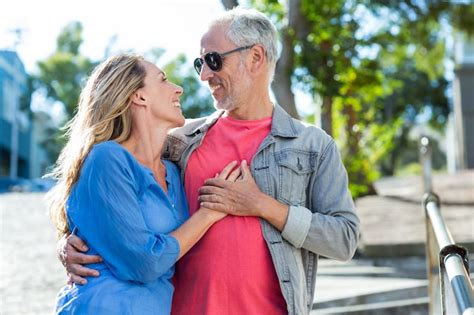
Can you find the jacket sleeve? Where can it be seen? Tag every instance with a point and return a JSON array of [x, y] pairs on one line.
[[109, 217], [332, 228]]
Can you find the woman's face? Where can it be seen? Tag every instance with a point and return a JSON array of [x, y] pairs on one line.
[[162, 97]]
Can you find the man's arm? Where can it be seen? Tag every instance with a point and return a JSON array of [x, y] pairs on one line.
[[70, 250], [331, 230], [243, 198]]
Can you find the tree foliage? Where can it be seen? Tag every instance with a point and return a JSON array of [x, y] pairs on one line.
[[62, 76], [63, 73], [374, 66]]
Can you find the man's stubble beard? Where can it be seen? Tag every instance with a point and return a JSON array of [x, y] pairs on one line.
[[233, 100]]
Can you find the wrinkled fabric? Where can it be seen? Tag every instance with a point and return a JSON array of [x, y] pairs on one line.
[[123, 215], [232, 255], [299, 165]]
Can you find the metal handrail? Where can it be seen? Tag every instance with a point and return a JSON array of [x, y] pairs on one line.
[[447, 261]]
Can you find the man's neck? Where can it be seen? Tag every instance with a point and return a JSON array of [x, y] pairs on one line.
[[252, 111]]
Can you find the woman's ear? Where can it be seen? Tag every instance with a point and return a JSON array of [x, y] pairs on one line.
[[138, 99]]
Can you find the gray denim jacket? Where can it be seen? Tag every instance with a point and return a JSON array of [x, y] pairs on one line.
[[299, 165]]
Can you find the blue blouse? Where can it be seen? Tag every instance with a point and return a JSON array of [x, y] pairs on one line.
[[123, 215]]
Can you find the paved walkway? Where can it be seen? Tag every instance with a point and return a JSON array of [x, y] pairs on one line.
[[393, 222], [30, 273]]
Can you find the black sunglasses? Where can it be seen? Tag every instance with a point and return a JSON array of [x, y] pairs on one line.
[[214, 59]]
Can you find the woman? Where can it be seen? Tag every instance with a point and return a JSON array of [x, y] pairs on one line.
[[116, 193]]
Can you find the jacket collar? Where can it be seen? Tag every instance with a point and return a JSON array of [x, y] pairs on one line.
[[283, 125], [208, 122]]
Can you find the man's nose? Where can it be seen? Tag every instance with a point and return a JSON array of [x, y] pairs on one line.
[[206, 72]]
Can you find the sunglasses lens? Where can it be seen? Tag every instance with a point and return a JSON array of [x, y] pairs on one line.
[[214, 61], [198, 65]]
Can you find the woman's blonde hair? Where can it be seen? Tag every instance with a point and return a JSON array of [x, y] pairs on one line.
[[103, 114]]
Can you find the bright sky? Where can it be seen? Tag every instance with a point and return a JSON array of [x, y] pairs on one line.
[[175, 25]]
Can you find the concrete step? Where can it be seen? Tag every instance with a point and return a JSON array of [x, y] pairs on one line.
[[399, 292], [368, 286], [412, 306], [373, 286]]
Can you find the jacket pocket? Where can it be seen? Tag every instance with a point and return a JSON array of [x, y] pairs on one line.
[[294, 171]]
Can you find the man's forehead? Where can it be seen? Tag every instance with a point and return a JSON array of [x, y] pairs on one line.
[[214, 41]]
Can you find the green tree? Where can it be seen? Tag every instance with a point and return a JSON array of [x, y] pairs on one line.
[[61, 77], [353, 56], [63, 73]]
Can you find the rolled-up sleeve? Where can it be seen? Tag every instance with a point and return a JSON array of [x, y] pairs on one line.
[[297, 225], [109, 218]]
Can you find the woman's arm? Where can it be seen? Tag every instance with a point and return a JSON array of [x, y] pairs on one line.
[[191, 231], [70, 249], [105, 209]]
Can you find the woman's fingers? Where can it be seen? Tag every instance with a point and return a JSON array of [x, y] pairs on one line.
[[245, 170], [234, 175], [231, 173], [227, 170]]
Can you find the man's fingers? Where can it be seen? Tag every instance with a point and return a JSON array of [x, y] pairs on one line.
[[211, 198], [81, 271], [214, 206], [227, 170], [76, 279], [216, 182], [78, 258], [208, 190], [77, 243]]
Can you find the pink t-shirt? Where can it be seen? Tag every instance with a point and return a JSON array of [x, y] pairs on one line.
[[230, 270]]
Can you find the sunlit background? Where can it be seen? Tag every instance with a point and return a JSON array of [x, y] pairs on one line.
[[376, 75], [31, 28]]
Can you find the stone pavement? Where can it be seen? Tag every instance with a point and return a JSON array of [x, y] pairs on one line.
[[389, 275], [31, 275], [391, 223]]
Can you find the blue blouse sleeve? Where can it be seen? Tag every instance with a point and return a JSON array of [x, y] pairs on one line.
[[108, 216]]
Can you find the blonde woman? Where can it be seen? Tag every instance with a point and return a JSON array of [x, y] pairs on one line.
[[116, 193]]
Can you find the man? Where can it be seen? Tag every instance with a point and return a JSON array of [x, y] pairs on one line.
[[291, 205]]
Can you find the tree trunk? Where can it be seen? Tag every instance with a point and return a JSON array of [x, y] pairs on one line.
[[229, 4], [353, 135], [281, 85], [326, 115]]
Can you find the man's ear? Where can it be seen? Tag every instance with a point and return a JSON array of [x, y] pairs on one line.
[[258, 58], [138, 98]]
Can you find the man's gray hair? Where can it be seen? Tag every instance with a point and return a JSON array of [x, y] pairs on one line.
[[248, 27]]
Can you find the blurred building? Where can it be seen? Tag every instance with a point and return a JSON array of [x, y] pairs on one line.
[[463, 104], [21, 154]]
